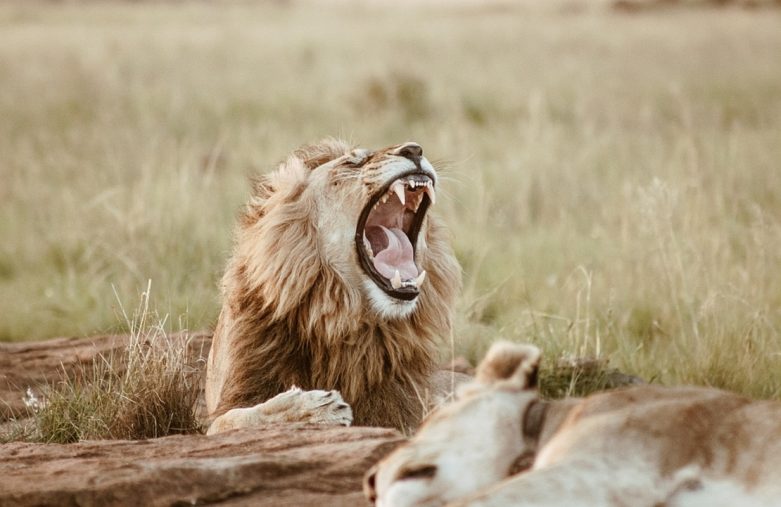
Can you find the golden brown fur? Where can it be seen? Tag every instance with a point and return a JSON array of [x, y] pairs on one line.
[[294, 309], [645, 445]]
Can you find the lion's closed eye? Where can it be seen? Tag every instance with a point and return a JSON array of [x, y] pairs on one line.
[[417, 472], [357, 158]]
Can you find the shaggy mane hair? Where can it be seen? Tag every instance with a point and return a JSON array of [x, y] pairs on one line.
[[290, 318]]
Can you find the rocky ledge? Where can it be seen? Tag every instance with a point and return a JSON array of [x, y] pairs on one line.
[[274, 466]]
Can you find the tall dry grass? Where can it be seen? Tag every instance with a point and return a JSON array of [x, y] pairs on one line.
[[149, 389], [612, 181]]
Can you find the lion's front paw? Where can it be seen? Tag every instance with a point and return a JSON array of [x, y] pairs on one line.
[[317, 407], [293, 406]]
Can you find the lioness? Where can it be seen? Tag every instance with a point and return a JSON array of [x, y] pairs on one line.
[[645, 446], [340, 280]]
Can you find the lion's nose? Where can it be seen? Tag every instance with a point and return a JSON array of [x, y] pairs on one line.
[[410, 151]]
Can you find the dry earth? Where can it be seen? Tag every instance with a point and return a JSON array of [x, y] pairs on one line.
[[279, 466]]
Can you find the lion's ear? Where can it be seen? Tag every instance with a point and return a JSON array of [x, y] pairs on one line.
[[290, 178], [314, 155], [262, 186], [512, 364], [283, 185]]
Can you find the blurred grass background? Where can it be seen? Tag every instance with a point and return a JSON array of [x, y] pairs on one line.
[[612, 180]]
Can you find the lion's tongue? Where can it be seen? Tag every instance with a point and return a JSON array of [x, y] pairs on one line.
[[398, 255]]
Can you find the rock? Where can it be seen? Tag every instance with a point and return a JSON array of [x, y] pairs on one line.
[[274, 466], [609, 378], [616, 378]]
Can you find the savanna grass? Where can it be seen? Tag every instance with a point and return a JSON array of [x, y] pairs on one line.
[[150, 389], [612, 181]]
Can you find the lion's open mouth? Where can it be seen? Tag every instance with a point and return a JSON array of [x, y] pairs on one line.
[[387, 233]]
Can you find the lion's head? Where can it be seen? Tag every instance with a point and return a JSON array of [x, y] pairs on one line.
[[484, 436], [363, 215], [342, 276]]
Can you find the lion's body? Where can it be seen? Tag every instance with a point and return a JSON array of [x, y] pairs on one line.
[[298, 311], [652, 445], [644, 446]]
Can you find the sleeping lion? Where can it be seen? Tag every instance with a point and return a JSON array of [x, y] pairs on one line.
[[339, 286], [645, 446]]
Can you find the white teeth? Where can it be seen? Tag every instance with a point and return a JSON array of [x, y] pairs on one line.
[[396, 280], [410, 283], [398, 188], [429, 189]]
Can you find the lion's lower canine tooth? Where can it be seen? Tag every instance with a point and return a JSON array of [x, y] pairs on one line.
[[396, 280], [367, 246], [420, 278], [431, 193]]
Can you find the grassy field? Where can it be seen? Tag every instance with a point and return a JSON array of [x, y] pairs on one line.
[[612, 181]]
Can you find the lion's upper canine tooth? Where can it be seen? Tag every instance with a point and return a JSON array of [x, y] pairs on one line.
[[429, 189], [420, 278], [385, 198], [396, 280], [398, 188]]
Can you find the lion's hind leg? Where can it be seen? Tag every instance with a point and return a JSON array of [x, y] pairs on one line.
[[293, 406]]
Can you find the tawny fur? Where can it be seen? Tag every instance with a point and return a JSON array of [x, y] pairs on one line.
[[645, 445], [511, 362], [292, 406], [293, 316]]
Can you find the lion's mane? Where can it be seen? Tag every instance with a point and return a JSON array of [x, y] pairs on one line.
[[289, 318]]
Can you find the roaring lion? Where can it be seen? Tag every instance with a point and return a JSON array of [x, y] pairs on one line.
[[647, 446], [340, 282]]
